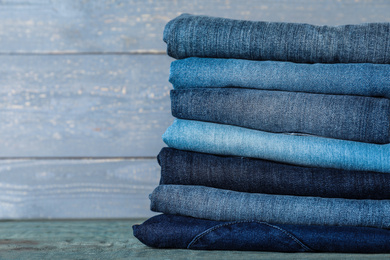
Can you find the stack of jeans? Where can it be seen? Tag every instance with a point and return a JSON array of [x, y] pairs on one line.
[[281, 141]]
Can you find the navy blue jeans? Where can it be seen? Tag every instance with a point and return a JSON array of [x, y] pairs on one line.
[[261, 176], [356, 118], [170, 231], [203, 36]]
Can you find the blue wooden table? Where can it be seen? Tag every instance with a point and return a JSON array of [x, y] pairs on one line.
[[113, 239]]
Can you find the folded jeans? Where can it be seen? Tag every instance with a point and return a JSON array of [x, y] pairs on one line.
[[170, 231], [363, 79], [203, 36], [310, 151], [225, 205], [356, 118], [261, 176]]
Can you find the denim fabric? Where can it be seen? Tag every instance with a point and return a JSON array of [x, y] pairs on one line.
[[312, 151], [212, 37], [364, 119], [169, 231], [225, 205], [364, 79], [260, 176]]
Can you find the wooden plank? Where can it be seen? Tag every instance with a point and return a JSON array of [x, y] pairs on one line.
[[58, 26], [83, 105], [113, 239], [52, 189]]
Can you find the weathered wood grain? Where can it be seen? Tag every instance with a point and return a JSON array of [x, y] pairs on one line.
[[83, 105], [50, 189], [72, 26]]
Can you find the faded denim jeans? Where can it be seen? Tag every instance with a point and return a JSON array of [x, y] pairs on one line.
[[356, 118], [363, 79], [169, 231], [212, 37], [261, 176], [310, 151], [225, 205]]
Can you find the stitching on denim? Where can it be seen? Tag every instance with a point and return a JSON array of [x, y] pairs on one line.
[[288, 234], [199, 236]]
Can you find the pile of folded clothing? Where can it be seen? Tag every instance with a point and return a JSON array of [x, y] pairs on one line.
[[281, 141]]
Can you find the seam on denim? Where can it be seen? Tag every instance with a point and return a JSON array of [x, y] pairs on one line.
[[162, 165], [172, 37], [207, 231], [288, 234], [250, 40], [388, 131]]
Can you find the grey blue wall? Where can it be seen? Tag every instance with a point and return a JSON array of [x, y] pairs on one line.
[[84, 96]]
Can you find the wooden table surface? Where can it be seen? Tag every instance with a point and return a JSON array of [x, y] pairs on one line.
[[113, 239]]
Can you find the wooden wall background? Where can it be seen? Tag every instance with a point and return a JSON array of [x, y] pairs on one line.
[[84, 96]]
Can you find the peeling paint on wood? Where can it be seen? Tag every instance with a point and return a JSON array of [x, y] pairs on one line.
[[71, 26], [52, 189]]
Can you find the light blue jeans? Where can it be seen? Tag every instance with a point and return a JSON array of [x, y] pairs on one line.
[[313, 151], [364, 79], [224, 205]]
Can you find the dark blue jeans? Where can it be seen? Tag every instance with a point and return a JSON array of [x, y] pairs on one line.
[[203, 36], [261, 176], [356, 118], [169, 231]]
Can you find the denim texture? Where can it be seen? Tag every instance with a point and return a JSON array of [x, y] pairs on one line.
[[311, 151], [225, 205], [364, 79], [170, 231], [356, 118], [212, 37], [261, 176]]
